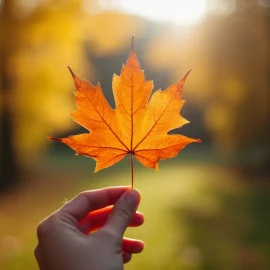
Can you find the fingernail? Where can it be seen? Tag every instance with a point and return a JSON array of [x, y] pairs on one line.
[[132, 198]]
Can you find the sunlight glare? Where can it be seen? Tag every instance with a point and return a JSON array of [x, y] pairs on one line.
[[177, 11]]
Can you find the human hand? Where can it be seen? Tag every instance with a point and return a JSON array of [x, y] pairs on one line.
[[63, 237]]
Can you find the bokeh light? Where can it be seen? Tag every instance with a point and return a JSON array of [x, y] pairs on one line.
[[180, 12], [205, 209]]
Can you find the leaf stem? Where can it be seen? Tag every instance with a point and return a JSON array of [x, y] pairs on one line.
[[132, 170]]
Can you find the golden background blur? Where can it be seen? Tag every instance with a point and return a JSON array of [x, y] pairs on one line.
[[205, 209]]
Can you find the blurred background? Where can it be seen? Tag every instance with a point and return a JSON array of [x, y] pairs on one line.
[[206, 209]]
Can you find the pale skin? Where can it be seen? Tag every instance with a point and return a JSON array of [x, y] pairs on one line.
[[64, 241]]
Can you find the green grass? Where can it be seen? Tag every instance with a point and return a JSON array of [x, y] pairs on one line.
[[196, 216]]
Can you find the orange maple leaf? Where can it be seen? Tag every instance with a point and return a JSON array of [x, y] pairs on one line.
[[136, 127]]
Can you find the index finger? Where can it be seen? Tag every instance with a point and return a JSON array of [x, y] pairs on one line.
[[88, 201]]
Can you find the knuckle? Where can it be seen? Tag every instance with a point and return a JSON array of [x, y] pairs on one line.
[[41, 229], [44, 228], [82, 196], [36, 252], [124, 213]]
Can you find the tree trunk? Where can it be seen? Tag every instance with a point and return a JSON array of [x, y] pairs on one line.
[[9, 175]]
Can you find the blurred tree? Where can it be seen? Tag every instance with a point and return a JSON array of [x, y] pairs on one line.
[[38, 40], [8, 162], [230, 83]]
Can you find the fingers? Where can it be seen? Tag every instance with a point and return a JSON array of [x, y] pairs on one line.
[[132, 245], [122, 213], [96, 219], [129, 247], [88, 201], [126, 257]]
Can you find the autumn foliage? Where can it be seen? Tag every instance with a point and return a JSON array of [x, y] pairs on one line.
[[136, 126]]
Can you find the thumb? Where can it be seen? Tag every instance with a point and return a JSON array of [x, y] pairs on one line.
[[123, 211]]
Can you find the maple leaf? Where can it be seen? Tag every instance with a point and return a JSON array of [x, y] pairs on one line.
[[136, 127]]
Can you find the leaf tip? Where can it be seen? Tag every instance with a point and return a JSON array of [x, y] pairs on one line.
[[199, 140], [185, 121], [54, 139], [70, 70], [72, 73], [184, 78], [181, 83], [132, 42], [132, 61]]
